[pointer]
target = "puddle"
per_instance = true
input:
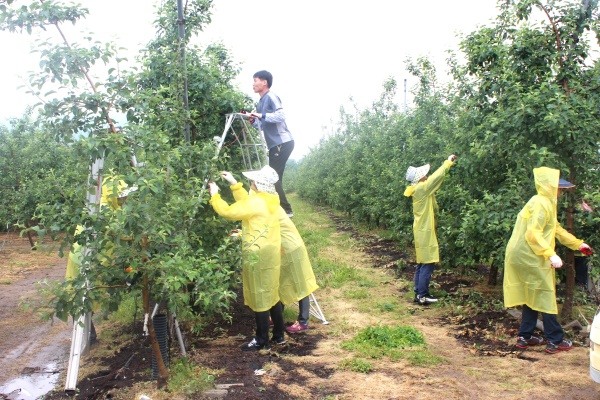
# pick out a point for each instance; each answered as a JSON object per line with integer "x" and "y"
{"x": 32, "y": 384}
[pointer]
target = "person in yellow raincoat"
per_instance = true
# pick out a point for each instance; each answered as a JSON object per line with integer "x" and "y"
{"x": 261, "y": 258}
{"x": 422, "y": 189}
{"x": 530, "y": 262}
{"x": 74, "y": 258}
{"x": 297, "y": 279}
{"x": 107, "y": 198}
{"x": 110, "y": 186}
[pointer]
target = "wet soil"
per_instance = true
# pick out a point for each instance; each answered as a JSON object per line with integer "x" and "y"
{"x": 30, "y": 348}
{"x": 218, "y": 348}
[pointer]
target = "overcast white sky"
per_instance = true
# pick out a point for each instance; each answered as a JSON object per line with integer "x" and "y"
{"x": 321, "y": 53}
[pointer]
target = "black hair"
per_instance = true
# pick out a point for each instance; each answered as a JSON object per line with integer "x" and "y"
{"x": 265, "y": 75}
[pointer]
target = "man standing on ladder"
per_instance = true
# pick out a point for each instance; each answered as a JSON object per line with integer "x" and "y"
{"x": 270, "y": 118}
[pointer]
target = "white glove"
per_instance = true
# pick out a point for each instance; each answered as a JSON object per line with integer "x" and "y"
{"x": 452, "y": 158}
{"x": 586, "y": 249}
{"x": 556, "y": 261}
{"x": 213, "y": 188}
{"x": 228, "y": 177}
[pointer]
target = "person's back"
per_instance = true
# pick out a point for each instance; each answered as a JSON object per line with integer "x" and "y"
{"x": 422, "y": 190}
{"x": 261, "y": 251}
{"x": 530, "y": 262}
{"x": 297, "y": 278}
{"x": 275, "y": 128}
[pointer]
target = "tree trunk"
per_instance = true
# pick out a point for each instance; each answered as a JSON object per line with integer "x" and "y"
{"x": 493, "y": 275}
{"x": 30, "y": 236}
{"x": 567, "y": 309}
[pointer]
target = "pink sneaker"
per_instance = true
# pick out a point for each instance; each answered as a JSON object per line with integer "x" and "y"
{"x": 297, "y": 327}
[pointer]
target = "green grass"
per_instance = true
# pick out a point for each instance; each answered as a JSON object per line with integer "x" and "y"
{"x": 290, "y": 312}
{"x": 188, "y": 379}
{"x": 423, "y": 358}
{"x": 389, "y": 337}
{"x": 127, "y": 308}
{"x": 393, "y": 342}
{"x": 357, "y": 294}
{"x": 366, "y": 283}
{"x": 334, "y": 274}
{"x": 356, "y": 365}
{"x": 386, "y": 306}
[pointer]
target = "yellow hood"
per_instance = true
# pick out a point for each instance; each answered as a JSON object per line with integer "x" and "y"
{"x": 546, "y": 182}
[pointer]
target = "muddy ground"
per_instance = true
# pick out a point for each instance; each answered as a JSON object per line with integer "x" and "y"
{"x": 481, "y": 361}
{"x": 29, "y": 347}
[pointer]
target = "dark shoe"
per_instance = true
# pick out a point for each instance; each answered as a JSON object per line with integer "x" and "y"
{"x": 565, "y": 345}
{"x": 425, "y": 300}
{"x": 297, "y": 327}
{"x": 279, "y": 340}
{"x": 523, "y": 343}
{"x": 416, "y": 299}
{"x": 253, "y": 346}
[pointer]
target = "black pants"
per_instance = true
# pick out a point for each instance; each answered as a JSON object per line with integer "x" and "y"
{"x": 278, "y": 156}
{"x": 304, "y": 310}
{"x": 262, "y": 323}
{"x": 552, "y": 329}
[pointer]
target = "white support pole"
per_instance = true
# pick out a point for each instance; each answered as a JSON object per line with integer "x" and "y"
{"x": 179, "y": 336}
{"x": 80, "y": 338}
{"x": 78, "y": 346}
{"x": 155, "y": 310}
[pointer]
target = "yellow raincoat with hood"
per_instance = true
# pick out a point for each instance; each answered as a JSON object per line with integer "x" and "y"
{"x": 110, "y": 198}
{"x": 297, "y": 279}
{"x": 529, "y": 277}
{"x": 105, "y": 256}
{"x": 261, "y": 259}
{"x": 74, "y": 258}
{"x": 424, "y": 208}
